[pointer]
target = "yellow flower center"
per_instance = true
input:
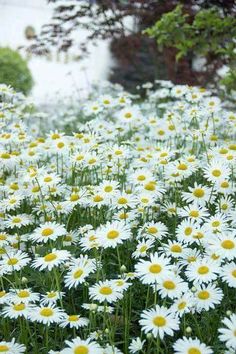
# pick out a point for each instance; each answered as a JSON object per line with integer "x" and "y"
{"x": 176, "y": 248}
{"x": 108, "y": 189}
{"x": 47, "y": 232}
{"x": 198, "y": 193}
{"x": 182, "y": 167}
{"x": 224, "y": 184}
{"x": 51, "y": 295}
{"x": 203, "y": 270}
{"x": 5, "y": 156}
{"x": 55, "y": 136}
{"x": 105, "y": 290}
{"x": 216, "y": 173}
{"x": 92, "y": 161}
{"x": 48, "y": 179}
{"x": 155, "y": 268}
{"x": 81, "y": 349}
{"x": 46, "y": 312}
{"x": 2, "y": 293}
{"x": 150, "y": 186}
{"x": 122, "y": 200}
{"x": 152, "y": 230}
{"x": 16, "y": 220}
{"x": 159, "y": 321}
{"x": 12, "y": 261}
{"x": 141, "y": 178}
{"x": 23, "y": 293}
{"x": 128, "y": 115}
{"x": 194, "y": 350}
{"x": 143, "y": 249}
{"x": 73, "y": 318}
{"x": 77, "y": 274}
{"x": 194, "y": 213}
{"x": 188, "y": 230}
{"x": 234, "y": 273}
{"x": 169, "y": 285}
{"x": 19, "y": 307}
{"x": 50, "y": 257}
{"x": 3, "y": 237}
{"x": 215, "y": 223}
{"x": 4, "y": 348}
{"x": 228, "y": 244}
{"x": 182, "y": 305}
{"x": 74, "y": 197}
{"x": 97, "y": 199}
{"x": 203, "y": 295}
{"x": 112, "y": 234}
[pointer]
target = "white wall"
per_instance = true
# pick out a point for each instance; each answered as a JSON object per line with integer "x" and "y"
{"x": 50, "y": 76}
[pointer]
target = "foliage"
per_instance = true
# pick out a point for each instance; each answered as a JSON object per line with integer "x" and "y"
{"x": 14, "y": 71}
{"x": 210, "y": 34}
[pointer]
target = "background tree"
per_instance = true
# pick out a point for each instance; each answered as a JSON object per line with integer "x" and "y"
{"x": 138, "y": 57}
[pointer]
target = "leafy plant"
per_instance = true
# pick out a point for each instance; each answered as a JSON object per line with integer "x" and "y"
{"x": 209, "y": 33}
{"x": 14, "y": 71}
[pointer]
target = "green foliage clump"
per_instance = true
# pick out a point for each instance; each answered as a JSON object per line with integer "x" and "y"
{"x": 14, "y": 71}
{"x": 210, "y": 33}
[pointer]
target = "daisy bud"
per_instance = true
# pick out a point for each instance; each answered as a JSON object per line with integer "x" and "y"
{"x": 188, "y": 330}
{"x": 24, "y": 280}
{"x": 94, "y": 307}
{"x": 106, "y": 330}
{"x": 149, "y": 336}
{"x": 193, "y": 289}
{"x": 123, "y": 269}
{"x": 228, "y": 313}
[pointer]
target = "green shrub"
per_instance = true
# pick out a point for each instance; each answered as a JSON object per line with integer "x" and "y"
{"x": 14, "y": 71}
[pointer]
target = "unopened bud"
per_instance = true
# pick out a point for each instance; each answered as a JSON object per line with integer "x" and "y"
{"x": 24, "y": 280}
{"x": 123, "y": 268}
{"x": 188, "y": 330}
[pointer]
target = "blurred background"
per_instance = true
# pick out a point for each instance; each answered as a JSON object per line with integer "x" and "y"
{"x": 66, "y": 45}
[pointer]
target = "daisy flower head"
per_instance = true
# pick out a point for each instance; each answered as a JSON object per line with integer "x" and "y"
{"x": 228, "y": 274}
{"x": 198, "y": 193}
{"x": 79, "y": 270}
{"x": 13, "y": 261}
{"x": 159, "y": 321}
{"x": 105, "y": 291}
{"x": 136, "y": 345}
{"x": 207, "y": 297}
{"x": 47, "y": 314}
{"x": 150, "y": 271}
{"x": 12, "y": 347}
{"x": 224, "y": 245}
{"x": 171, "y": 286}
{"x": 191, "y": 346}
{"x": 227, "y": 333}
{"x": 52, "y": 259}
{"x": 22, "y": 295}
{"x": 82, "y": 346}
{"x": 51, "y": 297}
{"x": 74, "y": 321}
{"x": 113, "y": 233}
{"x": 202, "y": 271}
{"x": 216, "y": 171}
{"x": 48, "y": 231}
{"x": 142, "y": 248}
{"x": 16, "y": 310}
{"x": 183, "y": 304}
{"x": 154, "y": 230}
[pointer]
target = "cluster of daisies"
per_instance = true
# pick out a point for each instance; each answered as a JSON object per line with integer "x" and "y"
{"x": 120, "y": 236}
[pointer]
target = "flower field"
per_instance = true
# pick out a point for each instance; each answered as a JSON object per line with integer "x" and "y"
{"x": 118, "y": 235}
